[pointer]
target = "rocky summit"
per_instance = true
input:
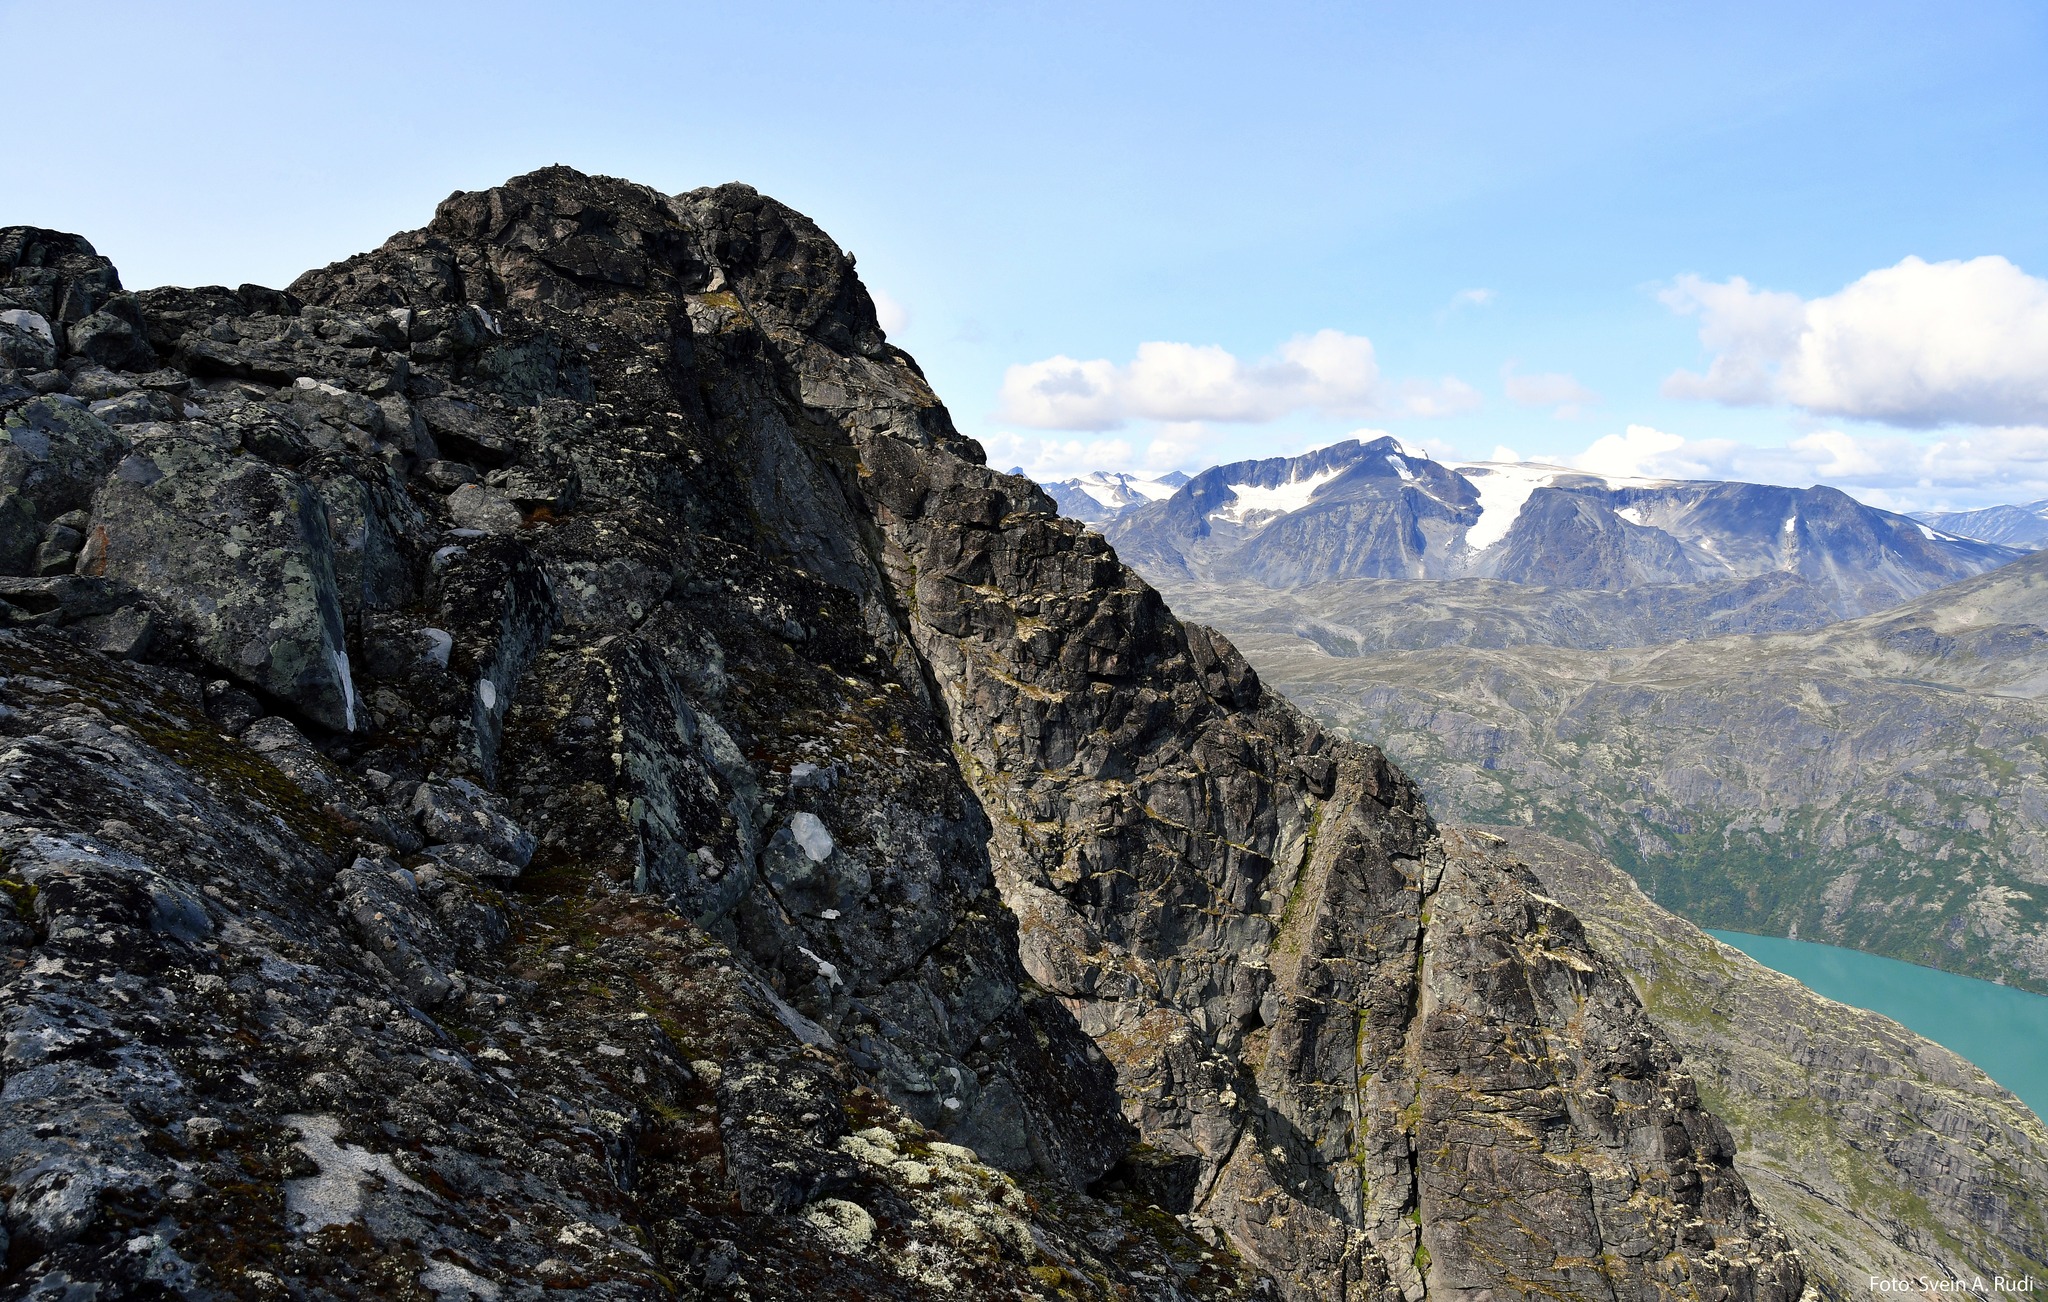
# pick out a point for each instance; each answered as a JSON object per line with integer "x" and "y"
{"x": 539, "y": 763}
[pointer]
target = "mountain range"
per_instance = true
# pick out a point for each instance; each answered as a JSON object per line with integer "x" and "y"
{"x": 1782, "y": 710}
{"x": 1878, "y": 782}
{"x": 1377, "y": 511}
{"x": 2012, "y": 526}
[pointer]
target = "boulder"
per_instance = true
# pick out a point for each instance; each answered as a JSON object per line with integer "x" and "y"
{"x": 238, "y": 551}
{"x": 26, "y": 340}
{"x": 54, "y": 454}
{"x": 459, "y": 812}
{"x": 113, "y": 336}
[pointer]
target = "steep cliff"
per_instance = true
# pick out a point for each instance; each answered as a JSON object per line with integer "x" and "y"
{"x": 539, "y": 759}
{"x": 1881, "y": 1154}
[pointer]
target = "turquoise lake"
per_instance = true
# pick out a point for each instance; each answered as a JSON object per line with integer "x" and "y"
{"x": 2002, "y": 1030}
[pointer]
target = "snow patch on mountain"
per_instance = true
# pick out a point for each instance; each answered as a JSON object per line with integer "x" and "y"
{"x": 1102, "y": 495}
{"x": 1503, "y": 490}
{"x": 1250, "y": 499}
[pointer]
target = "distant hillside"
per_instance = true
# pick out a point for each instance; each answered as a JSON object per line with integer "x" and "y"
{"x": 2014, "y": 526}
{"x": 1882, "y": 782}
{"x": 1377, "y": 511}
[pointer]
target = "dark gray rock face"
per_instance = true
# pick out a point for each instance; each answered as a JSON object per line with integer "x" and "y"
{"x": 620, "y": 799}
{"x": 1375, "y": 511}
{"x": 1241, "y": 912}
{"x": 237, "y": 550}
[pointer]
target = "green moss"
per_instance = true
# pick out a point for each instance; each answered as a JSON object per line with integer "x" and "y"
{"x": 22, "y": 893}
{"x": 238, "y": 773}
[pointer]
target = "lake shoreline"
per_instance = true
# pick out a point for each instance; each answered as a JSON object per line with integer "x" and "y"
{"x": 2002, "y": 1029}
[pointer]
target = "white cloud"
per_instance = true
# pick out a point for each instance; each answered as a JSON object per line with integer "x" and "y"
{"x": 1639, "y": 452}
{"x": 1052, "y": 458}
{"x": 1471, "y": 298}
{"x": 1562, "y": 393}
{"x": 1920, "y": 345}
{"x": 1429, "y": 399}
{"x": 1328, "y": 372}
{"x": 1898, "y": 471}
{"x": 1182, "y": 446}
{"x": 1186, "y": 445}
{"x": 893, "y": 316}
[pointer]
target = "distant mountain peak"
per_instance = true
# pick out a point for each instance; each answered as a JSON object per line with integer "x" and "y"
{"x": 1100, "y": 496}
{"x": 2012, "y": 526}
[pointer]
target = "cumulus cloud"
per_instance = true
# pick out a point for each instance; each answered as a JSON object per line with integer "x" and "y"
{"x": 1179, "y": 446}
{"x": 1562, "y": 393}
{"x": 1919, "y": 345}
{"x": 1429, "y": 399}
{"x": 1979, "y": 467}
{"x": 1056, "y": 458}
{"x": 1639, "y": 451}
{"x": 1328, "y": 372}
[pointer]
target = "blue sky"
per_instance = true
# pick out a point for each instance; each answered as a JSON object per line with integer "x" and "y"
{"x": 1246, "y": 229}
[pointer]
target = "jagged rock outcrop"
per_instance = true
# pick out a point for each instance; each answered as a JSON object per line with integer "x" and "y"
{"x": 687, "y": 825}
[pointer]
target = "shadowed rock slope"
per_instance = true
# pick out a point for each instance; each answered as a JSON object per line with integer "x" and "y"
{"x": 1880, "y": 1153}
{"x": 538, "y": 761}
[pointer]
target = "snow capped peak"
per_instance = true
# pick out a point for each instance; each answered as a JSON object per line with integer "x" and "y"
{"x": 1120, "y": 488}
{"x": 1102, "y": 495}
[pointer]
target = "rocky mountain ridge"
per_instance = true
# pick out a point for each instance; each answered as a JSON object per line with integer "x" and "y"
{"x": 2010, "y": 526}
{"x": 1882, "y": 1155}
{"x": 538, "y": 759}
